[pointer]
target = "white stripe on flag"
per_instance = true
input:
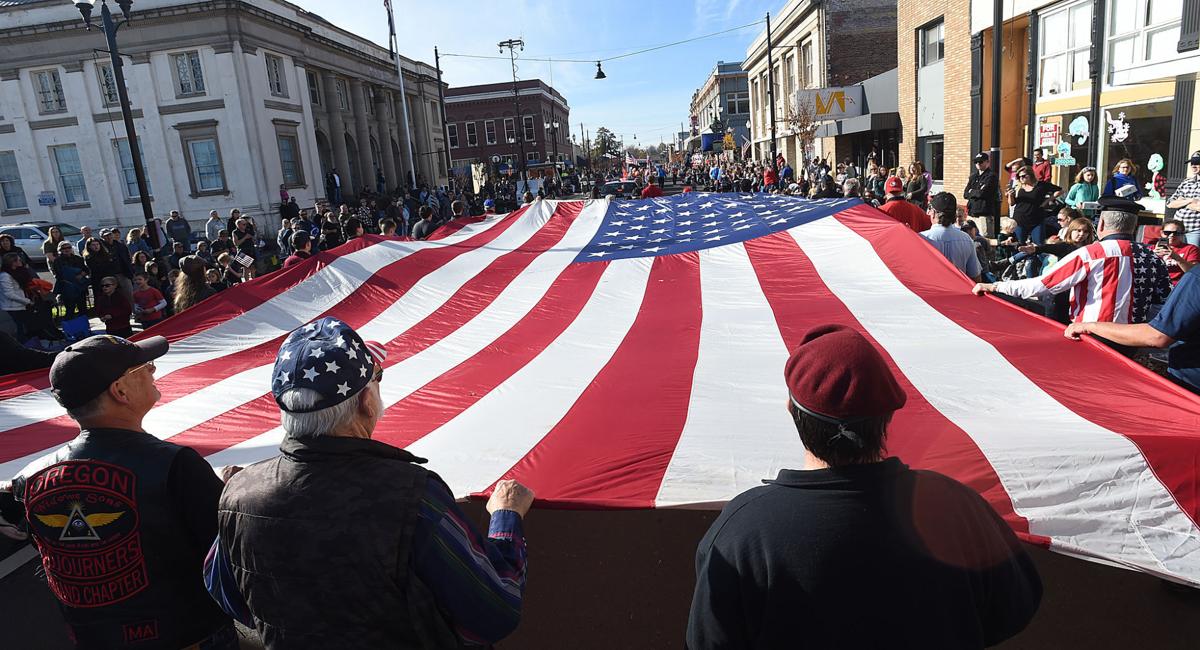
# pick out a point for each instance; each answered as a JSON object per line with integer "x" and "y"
{"x": 409, "y": 374}
{"x": 1086, "y": 488}
{"x": 738, "y": 431}
{"x": 275, "y": 317}
{"x": 474, "y": 449}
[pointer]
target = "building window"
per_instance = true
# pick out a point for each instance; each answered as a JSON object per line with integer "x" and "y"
{"x": 933, "y": 43}
{"x": 472, "y": 136}
{"x": 531, "y": 156}
{"x": 489, "y": 131}
{"x": 276, "y": 76}
{"x": 452, "y": 132}
{"x": 435, "y": 113}
{"x": 48, "y": 86}
{"x": 809, "y": 75}
{"x": 343, "y": 96}
{"x": 510, "y": 129}
{"x": 527, "y": 127}
{"x": 202, "y": 155}
{"x": 189, "y": 76}
{"x": 206, "y": 164}
{"x": 70, "y": 174}
{"x": 1064, "y": 56}
{"x": 930, "y": 151}
{"x": 12, "y": 194}
{"x": 128, "y": 174}
{"x": 108, "y": 84}
{"x": 738, "y": 103}
{"x": 289, "y": 160}
{"x": 314, "y": 87}
{"x": 1142, "y": 32}
{"x": 790, "y": 66}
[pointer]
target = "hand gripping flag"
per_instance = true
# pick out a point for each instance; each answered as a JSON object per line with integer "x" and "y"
{"x": 629, "y": 354}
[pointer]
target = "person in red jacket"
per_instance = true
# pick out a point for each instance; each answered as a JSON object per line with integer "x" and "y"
{"x": 113, "y": 309}
{"x": 651, "y": 190}
{"x": 900, "y": 209}
{"x": 769, "y": 179}
{"x": 302, "y": 245}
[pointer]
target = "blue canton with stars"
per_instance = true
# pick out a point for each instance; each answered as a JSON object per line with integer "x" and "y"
{"x": 695, "y": 221}
{"x": 327, "y": 356}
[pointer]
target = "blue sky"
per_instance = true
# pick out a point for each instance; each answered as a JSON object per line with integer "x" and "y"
{"x": 645, "y": 95}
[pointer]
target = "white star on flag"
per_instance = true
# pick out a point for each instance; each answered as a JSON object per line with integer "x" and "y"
{"x": 317, "y": 353}
{"x": 311, "y": 374}
{"x": 332, "y": 366}
{"x": 343, "y": 388}
{"x": 362, "y": 371}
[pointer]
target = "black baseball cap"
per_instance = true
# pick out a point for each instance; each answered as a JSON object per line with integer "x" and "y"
{"x": 85, "y": 369}
{"x": 944, "y": 203}
{"x": 982, "y": 156}
{"x": 1195, "y": 159}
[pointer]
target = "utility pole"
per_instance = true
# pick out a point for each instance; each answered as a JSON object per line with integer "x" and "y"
{"x": 994, "y": 151}
{"x": 771, "y": 93}
{"x": 437, "y": 64}
{"x": 511, "y": 44}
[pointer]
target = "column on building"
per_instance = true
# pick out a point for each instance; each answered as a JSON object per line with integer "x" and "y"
{"x": 362, "y": 134}
{"x": 337, "y": 131}
{"x": 383, "y": 126}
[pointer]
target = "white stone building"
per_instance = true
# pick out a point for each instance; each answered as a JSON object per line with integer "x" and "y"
{"x": 232, "y": 99}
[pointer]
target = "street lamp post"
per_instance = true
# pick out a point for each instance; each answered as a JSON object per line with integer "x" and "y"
{"x": 512, "y": 58}
{"x": 110, "y": 28}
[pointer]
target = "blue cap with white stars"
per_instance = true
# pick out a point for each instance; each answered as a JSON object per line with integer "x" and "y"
{"x": 329, "y": 357}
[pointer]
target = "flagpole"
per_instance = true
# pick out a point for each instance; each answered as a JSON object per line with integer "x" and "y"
{"x": 392, "y": 47}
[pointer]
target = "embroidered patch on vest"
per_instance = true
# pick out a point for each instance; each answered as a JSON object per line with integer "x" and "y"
{"x": 84, "y": 517}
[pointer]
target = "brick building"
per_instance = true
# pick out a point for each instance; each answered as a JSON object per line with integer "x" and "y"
{"x": 722, "y": 102}
{"x": 1087, "y": 89}
{"x": 817, "y": 44}
{"x": 481, "y": 123}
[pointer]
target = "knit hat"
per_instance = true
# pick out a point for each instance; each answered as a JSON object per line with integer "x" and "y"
{"x": 836, "y": 375}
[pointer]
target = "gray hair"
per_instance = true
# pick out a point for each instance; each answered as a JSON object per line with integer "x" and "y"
{"x": 1115, "y": 221}
{"x": 314, "y": 423}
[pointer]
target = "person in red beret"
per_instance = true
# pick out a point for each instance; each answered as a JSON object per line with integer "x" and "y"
{"x": 856, "y": 550}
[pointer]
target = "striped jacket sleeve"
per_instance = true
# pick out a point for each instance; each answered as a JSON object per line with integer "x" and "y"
{"x": 478, "y": 581}
{"x": 1068, "y": 272}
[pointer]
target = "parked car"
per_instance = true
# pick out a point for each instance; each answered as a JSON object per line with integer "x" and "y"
{"x": 30, "y": 236}
{"x": 622, "y": 190}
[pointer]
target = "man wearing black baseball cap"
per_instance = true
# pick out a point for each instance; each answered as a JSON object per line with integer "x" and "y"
{"x": 983, "y": 193}
{"x": 122, "y": 519}
{"x": 854, "y": 535}
{"x": 1186, "y": 200}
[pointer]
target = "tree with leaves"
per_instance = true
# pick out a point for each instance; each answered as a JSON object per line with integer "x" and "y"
{"x": 605, "y": 144}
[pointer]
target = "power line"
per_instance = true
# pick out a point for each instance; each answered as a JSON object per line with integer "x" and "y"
{"x": 610, "y": 58}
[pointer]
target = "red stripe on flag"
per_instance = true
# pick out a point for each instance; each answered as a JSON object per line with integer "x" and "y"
{"x": 261, "y": 414}
{"x": 366, "y": 302}
{"x": 456, "y": 390}
{"x": 1131, "y": 400}
{"x": 622, "y": 431}
{"x": 919, "y": 434}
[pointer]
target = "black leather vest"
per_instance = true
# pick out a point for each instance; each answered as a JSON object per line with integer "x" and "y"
{"x": 114, "y": 550}
{"x": 319, "y": 540}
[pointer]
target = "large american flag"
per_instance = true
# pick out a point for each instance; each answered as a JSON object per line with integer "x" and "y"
{"x": 629, "y": 354}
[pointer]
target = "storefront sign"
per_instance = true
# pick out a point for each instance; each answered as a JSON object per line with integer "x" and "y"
{"x": 1047, "y": 135}
{"x": 1079, "y": 129}
{"x": 47, "y": 197}
{"x": 829, "y": 103}
{"x": 1118, "y": 128}
{"x": 1063, "y": 156}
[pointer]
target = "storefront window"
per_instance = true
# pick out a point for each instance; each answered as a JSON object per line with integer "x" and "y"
{"x": 1137, "y": 133}
{"x": 1142, "y": 32}
{"x": 1065, "y": 49}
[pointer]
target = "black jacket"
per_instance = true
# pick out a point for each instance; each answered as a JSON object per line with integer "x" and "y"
{"x": 319, "y": 539}
{"x": 983, "y": 194}
{"x": 123, "y": 521}
{"x": 864, "y": 556}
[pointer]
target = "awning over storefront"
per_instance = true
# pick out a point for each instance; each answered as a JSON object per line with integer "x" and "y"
{"x": 871, "y": 122}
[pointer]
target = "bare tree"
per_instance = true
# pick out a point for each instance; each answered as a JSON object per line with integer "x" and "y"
{"x": 798, "y": 121}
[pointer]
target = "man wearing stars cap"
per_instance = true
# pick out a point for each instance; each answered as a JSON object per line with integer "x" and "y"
{"x": 804, "y": 560}
{"x": 342, "y": 541}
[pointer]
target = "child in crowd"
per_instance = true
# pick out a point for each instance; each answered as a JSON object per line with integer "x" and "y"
{"x": 148, "y": 302}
